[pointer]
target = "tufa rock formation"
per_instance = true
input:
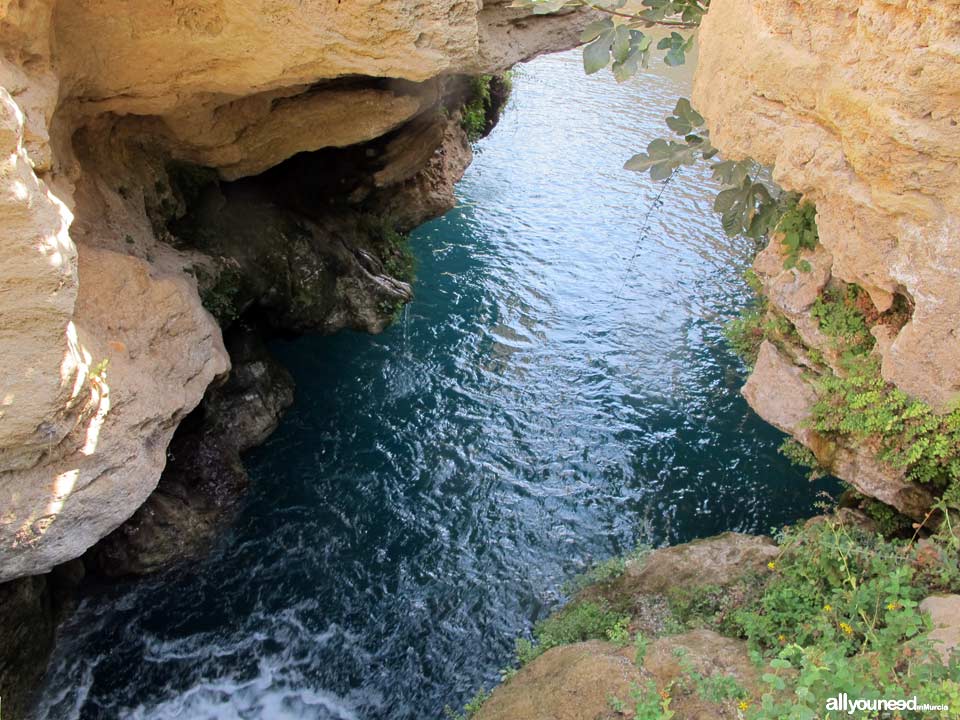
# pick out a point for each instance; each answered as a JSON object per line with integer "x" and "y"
{"x": 855, "y": 106}
{"x": 264, "y": 157}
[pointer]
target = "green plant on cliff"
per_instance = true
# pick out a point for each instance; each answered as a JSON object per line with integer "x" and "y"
{"x": 391, "y": 245}
{"x": 839, "y": 614}
{"x": 839, "y": 317}
{"x": 803, "y": 457}
{"x": 607, "y": 570}
{"x": 799, "y": 228}
{"x": 745, "y": 333}
{"x": 890, "y": 523}
{"x": 650, "y": 704}
{"x": 471, "y": 708}
{"x": 579, "y": 621}
{"x": 219, "y": 294}
{"x": 861, "y": 405}
{"x": 474, "y": 113}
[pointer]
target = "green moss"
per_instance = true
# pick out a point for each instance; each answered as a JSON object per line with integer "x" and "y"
{"x": 487, "y": 94}
{"x": 219, "y": 295}
{"x": 391, "y": 245}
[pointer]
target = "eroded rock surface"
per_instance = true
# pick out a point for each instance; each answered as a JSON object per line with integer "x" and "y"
{"x": 600, "y": 680}
{"x": 778, "y": 391}
{"x": 856, "y": 106}
{"x": 107, "y": 144}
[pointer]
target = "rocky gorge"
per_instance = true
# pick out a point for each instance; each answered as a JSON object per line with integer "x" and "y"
{"x": 187, "y": 179}
{"x": 132, "y": 286}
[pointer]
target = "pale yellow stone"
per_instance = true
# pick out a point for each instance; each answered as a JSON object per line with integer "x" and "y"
{"x": 857, "y": 105}
{"x": 104, "y": 341}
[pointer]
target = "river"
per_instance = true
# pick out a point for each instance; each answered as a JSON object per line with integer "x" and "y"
{"x": 558, "y": 391}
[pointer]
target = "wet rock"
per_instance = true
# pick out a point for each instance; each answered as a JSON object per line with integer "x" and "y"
{"x": 204, "y": 480}
{"x": 27, "y": 625}
{"x": 30, "y": 609}
{"x": 245, "y": 410}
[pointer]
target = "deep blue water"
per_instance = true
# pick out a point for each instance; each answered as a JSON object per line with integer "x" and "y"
{"x": 558, "y": 391}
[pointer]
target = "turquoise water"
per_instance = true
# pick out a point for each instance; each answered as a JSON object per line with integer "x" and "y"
{"x": 558, "y": 391}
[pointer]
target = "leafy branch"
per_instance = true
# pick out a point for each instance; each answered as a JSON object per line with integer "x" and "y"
{"x": 748, "y": 204}
{"x": 618, "y": 36}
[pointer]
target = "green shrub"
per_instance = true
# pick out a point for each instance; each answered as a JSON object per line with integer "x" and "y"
{"x": 575, "y": 623}
{"x": 716, "y": 688}
{"x": 471, "y": 708}
{"x": 838, "y": 316}
{"x": 862, "y": 405}
{"x": 799, "y": 227}
{"x": 649, "y": 704}
{"x": 839, "y": 614}
{"x": 889, "y": 521}
{"x": 802, "y": 456}
{"x": 606, "y": 571}
{"x": 473, "y": 115}
{"x": 745, "y": 334}
{"x": 910, "y": 435}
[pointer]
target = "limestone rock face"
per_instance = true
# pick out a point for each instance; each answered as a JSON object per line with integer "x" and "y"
{"x": 856, "y": 106}
{"x": 105, "y": 341}
{"x": 779, "y": 393}
{"x": 589, "y": 680}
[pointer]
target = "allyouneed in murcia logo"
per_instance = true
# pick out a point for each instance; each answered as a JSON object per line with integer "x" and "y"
{"x": 845, "y": 704}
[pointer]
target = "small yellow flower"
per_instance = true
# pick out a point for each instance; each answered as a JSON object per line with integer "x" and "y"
{"x": 772, "y": 565}
{"x": 847, "y": 630}
{"x": 827, "y": 608}
{"x": 744, "y": 704}
{"x": 782, "y": 638}
{"x": 892, "y": 606}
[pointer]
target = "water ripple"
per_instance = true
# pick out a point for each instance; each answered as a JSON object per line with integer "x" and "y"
{"x": 558, "y": 391}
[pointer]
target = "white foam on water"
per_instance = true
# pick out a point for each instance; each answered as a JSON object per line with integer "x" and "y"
{"x": 259, "y": 699}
